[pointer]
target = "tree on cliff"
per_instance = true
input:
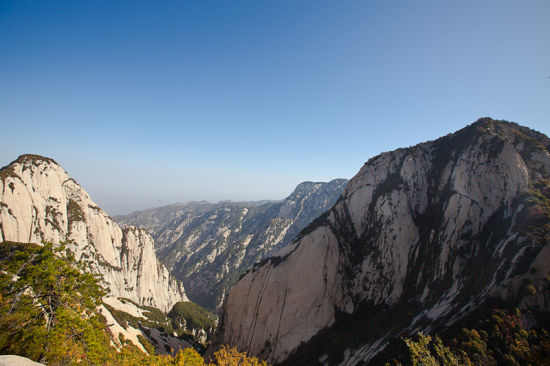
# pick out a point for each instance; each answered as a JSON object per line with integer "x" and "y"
{"x": 48, "y": 306}
{"x": 49, "y": 313}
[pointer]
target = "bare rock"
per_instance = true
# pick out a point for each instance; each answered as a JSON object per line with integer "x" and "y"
{"x": 40, "y": 202}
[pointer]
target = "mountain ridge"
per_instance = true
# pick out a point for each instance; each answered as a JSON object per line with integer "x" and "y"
{"x": 154, "y": 218}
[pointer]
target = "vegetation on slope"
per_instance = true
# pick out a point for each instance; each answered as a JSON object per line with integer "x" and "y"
{"x": 48, "y": 307}
{"x": 154, "y": 318}
{"x": 49, "y": 313}
{"x": 188, "y": 320}
{"x": 492, "y": 336}
{"x": 425, "y": 351}
{"x": 192, "y": 317}
{"x": 225, "y": 356}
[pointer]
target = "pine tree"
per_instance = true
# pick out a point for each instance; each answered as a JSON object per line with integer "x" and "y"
{"x": 48, "y": 307}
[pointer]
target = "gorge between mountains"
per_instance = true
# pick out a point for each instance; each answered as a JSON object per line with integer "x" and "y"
{"x": 434, "y": 238}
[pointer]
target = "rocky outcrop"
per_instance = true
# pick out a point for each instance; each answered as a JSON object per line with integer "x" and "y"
{"x": 419, "y": 238}
{"x": 40, "y": 202}
{"x": 131, "y": 322}
{"x": 208, "y": 246}
{"x": 12, "y": 360}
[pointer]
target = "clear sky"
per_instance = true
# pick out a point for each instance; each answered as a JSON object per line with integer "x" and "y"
{"x": 147, "y": 103}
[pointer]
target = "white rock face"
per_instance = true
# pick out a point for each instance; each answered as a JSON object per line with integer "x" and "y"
{"x": 40, "y": 202}
{"x": 11, "y": 360}
{"x": 284, "y": 310}
{"x": 434, "y": 228}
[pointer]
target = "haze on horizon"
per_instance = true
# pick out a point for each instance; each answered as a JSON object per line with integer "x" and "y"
{"x": 148, "y": 104}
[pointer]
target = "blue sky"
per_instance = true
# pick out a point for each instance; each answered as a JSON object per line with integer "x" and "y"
{"x": 150, "y": 103}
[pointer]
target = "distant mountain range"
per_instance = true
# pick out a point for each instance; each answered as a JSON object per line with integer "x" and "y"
{"x": 155, "y": 219}
{"x": 208, "y": 246}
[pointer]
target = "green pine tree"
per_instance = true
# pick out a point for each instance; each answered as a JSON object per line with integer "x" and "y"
{"x": 48, "y": 307}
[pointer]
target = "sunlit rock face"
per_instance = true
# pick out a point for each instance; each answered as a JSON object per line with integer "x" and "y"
{"x": 13, "y": 360}
{"x": 419, "y": 238}
{"x": 208, "y": 246}
{"x": 40, "y": 202}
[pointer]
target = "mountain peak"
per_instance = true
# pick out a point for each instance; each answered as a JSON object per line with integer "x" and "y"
{"x": 505, "y": 129}
{"x": 30, "y": 162}
{"x": 308, "y": 186}
{"x": 430, "y": 232}
{"x": 34, "y": 158}
{"x": 39, "y": 203}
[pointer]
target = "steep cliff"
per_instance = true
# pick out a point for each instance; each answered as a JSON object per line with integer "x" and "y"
{"x": 208, "y": 246}
{"x": 40, "y": 202}
{"x": 419, "y": 238}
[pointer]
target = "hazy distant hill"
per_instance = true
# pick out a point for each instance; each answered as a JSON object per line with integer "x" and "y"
{"x": 155, "y": 219}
